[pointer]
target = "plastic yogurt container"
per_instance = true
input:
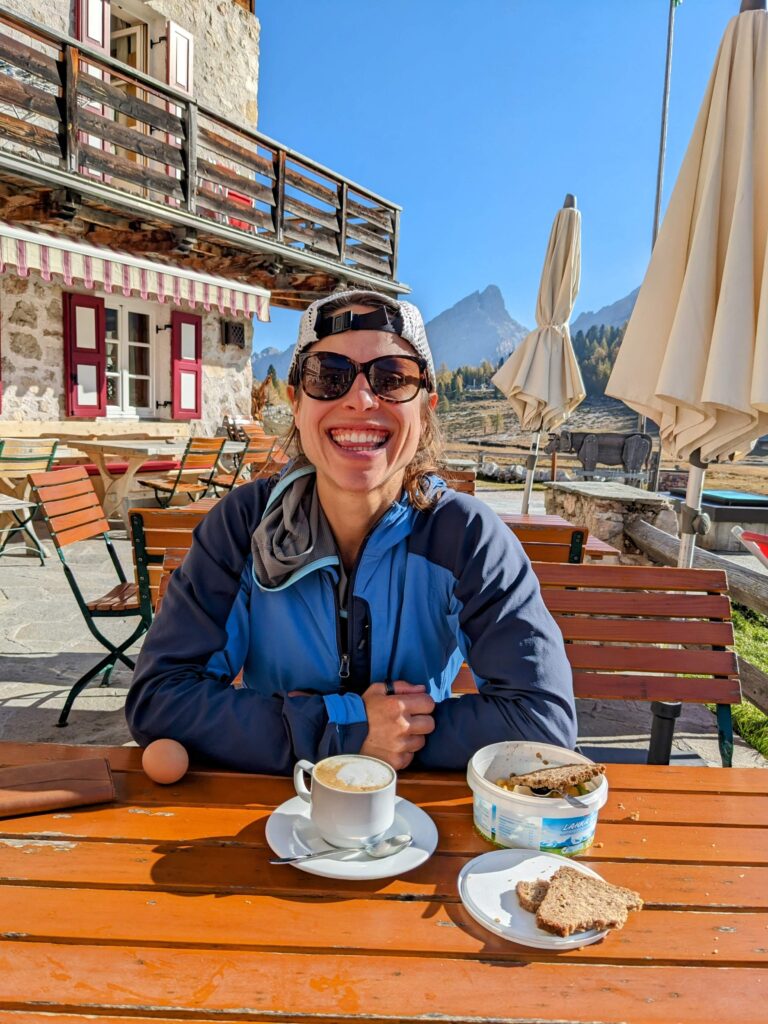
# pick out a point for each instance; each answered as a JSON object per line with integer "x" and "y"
{"x": 549, "y": 824}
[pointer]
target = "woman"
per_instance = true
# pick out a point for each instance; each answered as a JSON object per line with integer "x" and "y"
{"x": 350, "y": 590}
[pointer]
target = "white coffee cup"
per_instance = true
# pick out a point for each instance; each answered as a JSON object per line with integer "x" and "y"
{"x": 352, "y": 797}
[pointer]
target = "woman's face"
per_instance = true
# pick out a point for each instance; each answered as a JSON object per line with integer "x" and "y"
{"x": 359, "y": 443}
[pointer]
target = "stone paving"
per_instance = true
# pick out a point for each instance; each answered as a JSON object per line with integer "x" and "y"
{"x": 45, "y": 646}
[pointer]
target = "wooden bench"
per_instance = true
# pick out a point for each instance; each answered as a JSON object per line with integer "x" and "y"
{"x": 549, "y": 542}
{"x": 645, "y": 633}
{"x": 533, "y": 529}
{"x": 463, "y": 480}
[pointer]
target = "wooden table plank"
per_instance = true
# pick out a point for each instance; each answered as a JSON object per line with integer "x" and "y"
{"x": 297, "y": 988}
{"x": 253, "y": 921}
{"x": 200, "y": 868}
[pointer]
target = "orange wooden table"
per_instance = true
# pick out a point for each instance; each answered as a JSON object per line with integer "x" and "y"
{"x": 163, "y": 907}
{"x": 594, "y": 549}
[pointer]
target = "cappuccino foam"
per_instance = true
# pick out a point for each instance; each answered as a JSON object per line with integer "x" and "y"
{"x": 353, "y": 774}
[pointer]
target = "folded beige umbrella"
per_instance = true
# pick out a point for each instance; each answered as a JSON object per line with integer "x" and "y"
{"x": 694, "y": 358}
{"x": 541, "y": 379}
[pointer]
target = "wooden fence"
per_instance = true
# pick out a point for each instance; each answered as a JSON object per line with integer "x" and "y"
{"x": 71, "y": 107}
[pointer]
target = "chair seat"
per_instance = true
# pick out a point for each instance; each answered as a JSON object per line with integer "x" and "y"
{"x": 123, "y": 597}
{"x": 170, "y": 485}
{"x": 224, "y": 480}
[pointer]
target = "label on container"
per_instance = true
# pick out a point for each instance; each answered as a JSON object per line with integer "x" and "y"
{"x": 565, "y": 836}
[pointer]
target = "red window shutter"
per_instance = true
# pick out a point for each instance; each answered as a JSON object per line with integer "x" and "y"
{"x": 186, "y": 366}
{"x": 92, "y": 28}
{"x": 181, "y": 51}
{"x": 85, "y": 356}
{"x": 92, "y": 23}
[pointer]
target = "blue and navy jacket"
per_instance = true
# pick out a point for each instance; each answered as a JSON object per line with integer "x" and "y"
{"x": 429, "y": 589}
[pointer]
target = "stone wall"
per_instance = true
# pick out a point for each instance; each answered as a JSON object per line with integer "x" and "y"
{"x": 226, "y": 60}
{"x": 32, "y": 354}
{"x": 226, "y": 71}
{"x": 603, "y": 508}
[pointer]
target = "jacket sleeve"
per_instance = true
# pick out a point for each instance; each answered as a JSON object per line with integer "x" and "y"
{"x": 182, "y": 687}
{"x": 511, "y": 642}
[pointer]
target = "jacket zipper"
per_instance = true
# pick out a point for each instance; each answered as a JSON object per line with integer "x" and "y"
{"x": 344, "y": 672}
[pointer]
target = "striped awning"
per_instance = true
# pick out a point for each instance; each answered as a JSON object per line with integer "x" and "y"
{"x": 78, "y": 263}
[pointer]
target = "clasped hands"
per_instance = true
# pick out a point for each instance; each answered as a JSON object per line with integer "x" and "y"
{"x": 398, "y": 723}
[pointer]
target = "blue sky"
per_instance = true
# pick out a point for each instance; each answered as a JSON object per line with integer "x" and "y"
{"x": 478, "y": 116}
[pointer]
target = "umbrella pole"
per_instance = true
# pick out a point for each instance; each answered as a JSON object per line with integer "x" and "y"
{"x": 530, "y": 467}
{"x": 692, "y": 521}
{"x": 642, "y": 424}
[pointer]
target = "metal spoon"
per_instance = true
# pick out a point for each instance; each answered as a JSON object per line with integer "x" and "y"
{"x": 572, "y": 800}
{"x": 376, "y": 850}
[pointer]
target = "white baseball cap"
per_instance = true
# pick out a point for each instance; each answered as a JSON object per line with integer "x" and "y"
{"x": 396, "y": 317}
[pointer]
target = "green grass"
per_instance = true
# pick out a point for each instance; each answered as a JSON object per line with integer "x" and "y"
{"x": 751, "y": 644}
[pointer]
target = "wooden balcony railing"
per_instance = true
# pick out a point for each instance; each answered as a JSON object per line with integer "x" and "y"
{"x": 69, "y": 108}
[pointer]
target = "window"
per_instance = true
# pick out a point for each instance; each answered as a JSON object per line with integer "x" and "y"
{"x": 129, "y": 359}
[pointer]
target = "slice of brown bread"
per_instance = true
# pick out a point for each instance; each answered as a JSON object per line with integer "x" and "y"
{"x": 575, "y": 902}
{"x": 530, "y": 894}
{"x": 559, "y": 776}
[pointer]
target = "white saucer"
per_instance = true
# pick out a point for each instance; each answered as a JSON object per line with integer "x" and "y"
{"x": 291, "y": 833}
{"x": 487, "y": 890}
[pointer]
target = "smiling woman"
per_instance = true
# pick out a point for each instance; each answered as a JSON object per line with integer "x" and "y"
{"x": 350, "y": 589}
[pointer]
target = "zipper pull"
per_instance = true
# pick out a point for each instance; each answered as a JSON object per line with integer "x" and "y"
{"x": 344, "y": 667}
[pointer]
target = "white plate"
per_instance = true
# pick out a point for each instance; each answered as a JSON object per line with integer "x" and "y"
{"x": 487, "y": 890}
{"x": 291, "y": 833}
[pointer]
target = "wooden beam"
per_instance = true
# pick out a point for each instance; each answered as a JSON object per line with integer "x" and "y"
{"x": 31, "y": 135}
{"x": 754, "y": 684}
{"x": 129, "y": 138}
{"x": 233, "y": 211}
{"x": 234, "y": 151}
{"x": 311, "y": 214}
{"x": 24, "y": 95}
{"x": 312, "y": 188}
{"x": 745, "y": 586}
{"x": 222, "y": 175}
{"x": 103, "y": 92}
{"x": 126, "y": 170}
{"x": 380, "y": 217}
{"x": 28, "y": 59}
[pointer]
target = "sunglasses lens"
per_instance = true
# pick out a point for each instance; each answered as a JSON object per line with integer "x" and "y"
{"x": 327, "y": 376}
{"x": 395, "y": 378}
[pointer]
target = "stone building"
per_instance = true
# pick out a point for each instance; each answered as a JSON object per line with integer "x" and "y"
{"x": 145, "y": 224}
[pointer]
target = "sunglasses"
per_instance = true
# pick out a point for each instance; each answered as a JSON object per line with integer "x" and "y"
{"x": 326, "y": 376}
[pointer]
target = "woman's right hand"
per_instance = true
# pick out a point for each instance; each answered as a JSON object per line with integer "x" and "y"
{"x": 398, "y": 723}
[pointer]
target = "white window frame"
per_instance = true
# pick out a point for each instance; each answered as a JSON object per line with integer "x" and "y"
{"x": 125, "y": 306}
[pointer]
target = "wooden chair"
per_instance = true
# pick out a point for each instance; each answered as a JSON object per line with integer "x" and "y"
{"x": 153, "y": 532}
{"x": 556, "y": 542}
{"x": 172, "y": 559}
{"x": 462, "y": 480}
{"x": 72, "y": 513}
{"x": 193, "y": 478}
{"x": 250, "y": 462}
{"x": 645, "y": 633}
{"x": 19, "y": 458}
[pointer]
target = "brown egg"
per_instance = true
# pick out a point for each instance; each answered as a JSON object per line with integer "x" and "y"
{"x": 165, "y": 761}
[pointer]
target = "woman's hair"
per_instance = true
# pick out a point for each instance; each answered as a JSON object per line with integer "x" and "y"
{"x": 428, "y": 456}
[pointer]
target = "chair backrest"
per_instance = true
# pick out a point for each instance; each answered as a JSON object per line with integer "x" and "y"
{"x": 171, "y": 560}
{"x": 642, "y": 632}
{"x": 550, "y": 542}
{"x": 254, "y": 457}
{"x": 460, "y": 479}
{"x": 153, "y": 532}
{"x": 252, "y": 430}
{"x": 202, "y": 453}
{"x": 21, "y": 456}
{"x": 70, "y": 505}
